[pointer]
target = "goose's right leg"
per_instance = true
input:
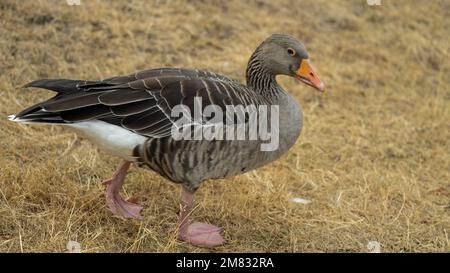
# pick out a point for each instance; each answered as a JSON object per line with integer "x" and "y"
{"x": 196, "y": 233}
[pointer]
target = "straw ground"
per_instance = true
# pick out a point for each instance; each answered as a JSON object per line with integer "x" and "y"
{"x": 373, "y": 156}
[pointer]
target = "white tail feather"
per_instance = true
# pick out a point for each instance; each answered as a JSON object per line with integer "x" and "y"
{"x": 25, "y": 121}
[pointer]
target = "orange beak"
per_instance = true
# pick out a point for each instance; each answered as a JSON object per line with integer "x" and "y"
{"x": 307, "y": 75}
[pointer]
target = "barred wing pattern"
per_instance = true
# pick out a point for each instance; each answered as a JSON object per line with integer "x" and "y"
{"x": 141, "y": 102}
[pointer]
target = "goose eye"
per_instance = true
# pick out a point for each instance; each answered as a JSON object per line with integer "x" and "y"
{"x": 291, "y": 52}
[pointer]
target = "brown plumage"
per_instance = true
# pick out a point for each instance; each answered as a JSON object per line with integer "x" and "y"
{"x": 131, "y": 117}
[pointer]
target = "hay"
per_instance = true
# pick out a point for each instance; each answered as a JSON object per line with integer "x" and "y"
{"x": 373, "y": 157}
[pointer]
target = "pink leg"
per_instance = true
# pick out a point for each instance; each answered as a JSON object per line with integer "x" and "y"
{"x": 196, "y": 233}
{"x": 116, "y": 204}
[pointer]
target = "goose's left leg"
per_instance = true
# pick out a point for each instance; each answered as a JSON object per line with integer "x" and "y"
{"x": 196, "y": 233}
{"x": 116, "y": 204}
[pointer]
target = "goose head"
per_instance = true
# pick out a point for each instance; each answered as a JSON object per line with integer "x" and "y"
{"x": 284, "y": 55}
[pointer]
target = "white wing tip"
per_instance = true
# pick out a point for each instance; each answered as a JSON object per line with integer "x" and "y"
{"x": 14, "y": 118}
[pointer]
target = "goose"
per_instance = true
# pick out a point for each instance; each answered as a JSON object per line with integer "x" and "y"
{"x": 131, "y": 117}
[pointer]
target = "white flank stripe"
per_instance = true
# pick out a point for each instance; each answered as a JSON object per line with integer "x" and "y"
{"x": 111, "y": 138}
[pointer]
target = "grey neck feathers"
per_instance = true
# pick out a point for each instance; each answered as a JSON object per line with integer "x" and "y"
{"x": 259, "y": 78}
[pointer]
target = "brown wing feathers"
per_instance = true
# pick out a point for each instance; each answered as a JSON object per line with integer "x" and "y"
{"x": 85, "y": 113}
{"x": 65, "y": 103}
{"x": 132, "y": 108}
{"x": 141, "y": 102}
{"x": 64, "y": 86}
{"x": 120, "y": 97}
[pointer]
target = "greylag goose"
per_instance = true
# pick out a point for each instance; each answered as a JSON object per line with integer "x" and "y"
{"x": 132, "y": 117}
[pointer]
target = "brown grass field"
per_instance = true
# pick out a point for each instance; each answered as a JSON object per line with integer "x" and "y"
{"x": 373, "y": 156}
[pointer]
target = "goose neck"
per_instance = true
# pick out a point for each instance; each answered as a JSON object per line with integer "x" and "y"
{"x": 260, "y": 78}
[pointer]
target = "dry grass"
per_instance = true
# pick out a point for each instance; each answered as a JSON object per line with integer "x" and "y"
{"x": 373, "y": 156}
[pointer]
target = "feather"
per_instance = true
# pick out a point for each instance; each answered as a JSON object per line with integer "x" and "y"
{"x": 144, "y": 119}
{"x": 133, "y": 108}
{"x": 59, "y": 85}
{"x": 119, "y": 97}
{"x": 71, "y": 102}
{"x": 86, "y": 113}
